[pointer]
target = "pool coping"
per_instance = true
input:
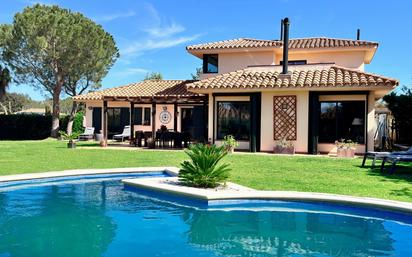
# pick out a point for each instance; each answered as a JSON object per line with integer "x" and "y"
{"x": 241, "y": 192}
{"x": 173, "y": 171}
{"x": 238, "y": 192}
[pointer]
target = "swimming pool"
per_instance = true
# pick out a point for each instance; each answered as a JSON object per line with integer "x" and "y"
{"x": 98, "y": 216}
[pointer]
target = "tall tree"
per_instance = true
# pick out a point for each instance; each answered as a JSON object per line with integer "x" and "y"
{"x": 14, "y": 102}
{"x": 97, "y": 53}
{"x": 153, "y": 76}
{"x": 196, "y": 75}
{"x": 4, "y": 81}
{"x": 46, "y": 47}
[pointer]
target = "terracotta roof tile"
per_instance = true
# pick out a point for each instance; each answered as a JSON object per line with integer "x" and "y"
{"x": 309, "y": 77}
{"x": 148, "y": 88}
{"x": 298, "y": 43}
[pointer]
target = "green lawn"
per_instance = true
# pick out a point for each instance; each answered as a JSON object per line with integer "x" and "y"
{"x": 260, "y": 171}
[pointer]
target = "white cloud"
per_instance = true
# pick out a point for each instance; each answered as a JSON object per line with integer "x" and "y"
{"x": 165, "y": 31}
{"x": 114, "y": 16}
{"x": 161, "y": 33}
{"x": 130, "y": 72}
{"x": 139, "y": 47}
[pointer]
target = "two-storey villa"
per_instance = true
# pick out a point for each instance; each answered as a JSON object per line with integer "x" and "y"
{"x": 320, "y": 94}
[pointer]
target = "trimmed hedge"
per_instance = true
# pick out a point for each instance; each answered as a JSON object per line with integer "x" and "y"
{"x": 25, "y": 126}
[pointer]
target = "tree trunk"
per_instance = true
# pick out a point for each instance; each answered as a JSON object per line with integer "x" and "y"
{"x": 71, "y": 118}
{"x": 56, "y": 109}
{"x": 4, "y": 108}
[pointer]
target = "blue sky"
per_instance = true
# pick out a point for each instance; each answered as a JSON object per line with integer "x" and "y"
{"x": 152, "y": 35}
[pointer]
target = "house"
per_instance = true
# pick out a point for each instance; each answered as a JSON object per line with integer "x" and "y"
{"x": 311, "y": 91}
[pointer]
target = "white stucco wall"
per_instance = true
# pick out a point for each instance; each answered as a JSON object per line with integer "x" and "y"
{"x": 232, "y": 61}
{"x": 267, "y": 131}
{"x": 348, "y": 59}
{"x": 229, "y": 62}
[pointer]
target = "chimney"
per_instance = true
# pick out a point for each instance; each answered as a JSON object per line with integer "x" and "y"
{"x": 285, "y": 23}
{"x": 358, "y": 35}
{"x": 281, "y": 29}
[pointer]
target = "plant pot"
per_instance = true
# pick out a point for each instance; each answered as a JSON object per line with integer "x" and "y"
{"x": 346, "y": 152}
{"x": 341, "y": 152}
{"x": 350, "y": 152}
{"x": 71, "y": 144}
{"x": 284, "y": 150}
{"x": 230, "y": 149}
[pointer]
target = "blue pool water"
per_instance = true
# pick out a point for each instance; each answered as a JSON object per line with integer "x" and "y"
{"x": 98, "y": 216}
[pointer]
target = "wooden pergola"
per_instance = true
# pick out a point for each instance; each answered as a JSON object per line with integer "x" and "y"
{"x": 153, "y": 92}
{"x": 153, "y": 100}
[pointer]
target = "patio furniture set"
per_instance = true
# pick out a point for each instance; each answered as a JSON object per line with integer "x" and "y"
{"x": 163, "y": 138}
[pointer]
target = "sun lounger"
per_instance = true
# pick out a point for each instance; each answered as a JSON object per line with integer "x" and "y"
{"x": 381, "y": 155}
{"x": 394, "y": 159}
{"x": 125, "y": 134}
{"x": 87, "y": 134}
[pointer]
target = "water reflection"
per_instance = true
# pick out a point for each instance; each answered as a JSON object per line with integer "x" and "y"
{"x": 247, "y": 233}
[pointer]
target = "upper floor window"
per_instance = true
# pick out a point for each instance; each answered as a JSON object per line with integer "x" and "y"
{"x": 210, "y": 63}
{"x": 295, "y": 62}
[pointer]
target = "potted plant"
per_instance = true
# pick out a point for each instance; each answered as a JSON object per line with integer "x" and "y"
{"x": 230, "y": 143}
{"x": 71, "y": 138}
{"x": 345, "y": 148}
{"x": 284, "y": 146}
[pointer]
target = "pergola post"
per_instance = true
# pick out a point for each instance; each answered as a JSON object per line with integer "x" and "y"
{"x": 154, "y": 119}
{"x": 132, "y": 121}
{"x": 175, "y": 117}
{"x": 104, "y": 127}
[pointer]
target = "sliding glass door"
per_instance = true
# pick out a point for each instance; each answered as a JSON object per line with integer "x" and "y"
{"x": 342, "y": 120}
{"x": 233, "y": 118}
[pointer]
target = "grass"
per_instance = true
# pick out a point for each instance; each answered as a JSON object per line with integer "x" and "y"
{"x": 260, "y": 171}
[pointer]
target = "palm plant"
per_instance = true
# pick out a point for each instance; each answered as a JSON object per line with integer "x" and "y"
{"x": 71, "y": 137}
{"x": 203, "y": 169}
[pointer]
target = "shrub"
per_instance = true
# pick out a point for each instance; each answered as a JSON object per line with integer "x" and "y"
{"x": 25, "y": 126}
{"x": 77, "y": 123}
{"x": 203, "y": 169}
